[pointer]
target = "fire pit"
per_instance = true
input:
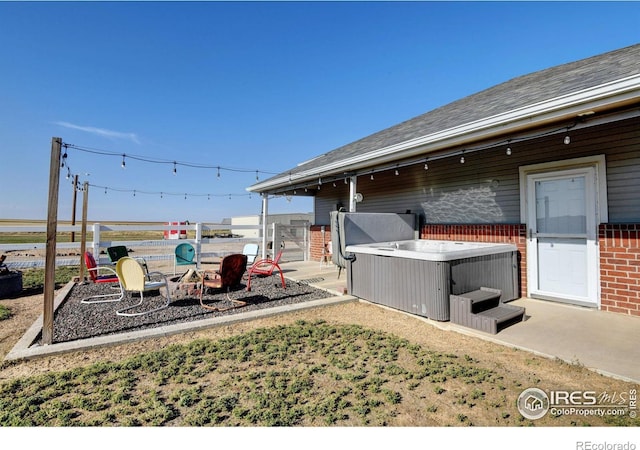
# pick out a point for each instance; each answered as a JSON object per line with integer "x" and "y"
{"x": 10, "y": 280}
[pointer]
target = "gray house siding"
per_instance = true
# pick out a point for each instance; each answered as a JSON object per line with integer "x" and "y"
{"x": 485, "y": 189}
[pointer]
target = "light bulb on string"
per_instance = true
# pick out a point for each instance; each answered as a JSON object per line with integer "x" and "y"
{"x": 462, "y": 159}
{"x": 123, "y": 165}
{"x": 567, "y": 140}
{"x": 508, "y": 151}
{"x": 175, "y": 170}
{"x": 397, "y": 173}
{"x": 371, "y": 178}
{"x": 257, "y": 176}
{"x": 218, "y": 171}
{"x": 64, "y": 157}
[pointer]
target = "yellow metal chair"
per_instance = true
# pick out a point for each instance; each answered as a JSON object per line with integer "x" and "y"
{"x": 133, "y": 278}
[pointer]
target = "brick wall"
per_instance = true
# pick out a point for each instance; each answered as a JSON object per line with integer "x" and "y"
{"x": 619, "y": 256}
{"x": 620, "y": 268}
{"x": 316, "y": 240}
{"x": 504, "y": 234}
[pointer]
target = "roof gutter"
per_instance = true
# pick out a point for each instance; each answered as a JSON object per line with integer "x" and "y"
{"x": 566, "y": 107}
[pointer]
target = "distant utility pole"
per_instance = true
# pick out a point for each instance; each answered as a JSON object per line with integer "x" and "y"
{"x": 83, "y": 239}
{"x": 73, "y": 206}
{"x": 52, "y": 228}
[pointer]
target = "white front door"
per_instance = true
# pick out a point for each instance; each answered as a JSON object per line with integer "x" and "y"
{"x": 562, "y": 252}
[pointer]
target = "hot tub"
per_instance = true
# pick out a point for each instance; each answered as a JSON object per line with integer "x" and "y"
{"x": 417, "y": 276}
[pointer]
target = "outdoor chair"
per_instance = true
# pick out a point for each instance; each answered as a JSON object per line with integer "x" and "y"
{"x": 116, "y": 252}
{"x": 111, "y": 277}
{"x": 133, "y": 278}
{"x": 251, "y": 250}
{"x": 120, "y": 251}
{"x": 232, "y": 268}
{"x": 265, "y": 267}
{"x": 184, "y": 254}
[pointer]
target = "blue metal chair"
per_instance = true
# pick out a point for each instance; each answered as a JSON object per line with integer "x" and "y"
{"x": 185, "y": 253}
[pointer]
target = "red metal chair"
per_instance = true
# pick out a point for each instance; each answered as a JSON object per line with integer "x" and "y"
{"x": 95, "y": 276}
{"x": 265, "y": 267}
{"x": 232, "y": 268}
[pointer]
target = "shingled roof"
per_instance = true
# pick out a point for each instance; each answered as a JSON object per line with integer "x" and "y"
{"x": 512, "y": 95}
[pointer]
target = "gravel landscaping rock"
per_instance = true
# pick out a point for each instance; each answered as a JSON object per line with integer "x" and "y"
{"x": 75, "y": 320}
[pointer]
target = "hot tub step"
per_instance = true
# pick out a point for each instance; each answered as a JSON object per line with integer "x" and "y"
{"x": 483, "y": 310}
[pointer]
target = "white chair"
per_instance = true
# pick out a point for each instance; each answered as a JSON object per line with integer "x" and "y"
{"x": 251, "y": 251}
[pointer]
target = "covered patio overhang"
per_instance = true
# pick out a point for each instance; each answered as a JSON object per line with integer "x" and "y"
{"x": 597, "y": 105}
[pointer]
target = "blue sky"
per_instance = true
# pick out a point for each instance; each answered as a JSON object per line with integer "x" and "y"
{"x": 247, "y": 86}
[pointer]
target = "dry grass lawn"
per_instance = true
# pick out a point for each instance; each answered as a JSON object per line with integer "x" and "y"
{"x": 486, "y": 396}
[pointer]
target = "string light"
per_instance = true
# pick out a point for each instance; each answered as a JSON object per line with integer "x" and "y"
{"x": 218, "y": 171}
{"x": 174, "y": 168}
{"x": 64, "y": 157}
{"x": 508, "y": 151}
{"x": 462, "y": 158}
{"x": 162, "y": 161}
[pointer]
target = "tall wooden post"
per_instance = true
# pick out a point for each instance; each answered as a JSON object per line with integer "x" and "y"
{"x": 73, "y": 206}
{"x": 52, "y": 228}
{"x": 83, "y": 238}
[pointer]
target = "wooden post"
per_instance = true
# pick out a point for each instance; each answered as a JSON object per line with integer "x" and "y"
{"x": 83, "y": 238}
{"x": 52, "y": 228}
{"x": 73, "y": 206}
